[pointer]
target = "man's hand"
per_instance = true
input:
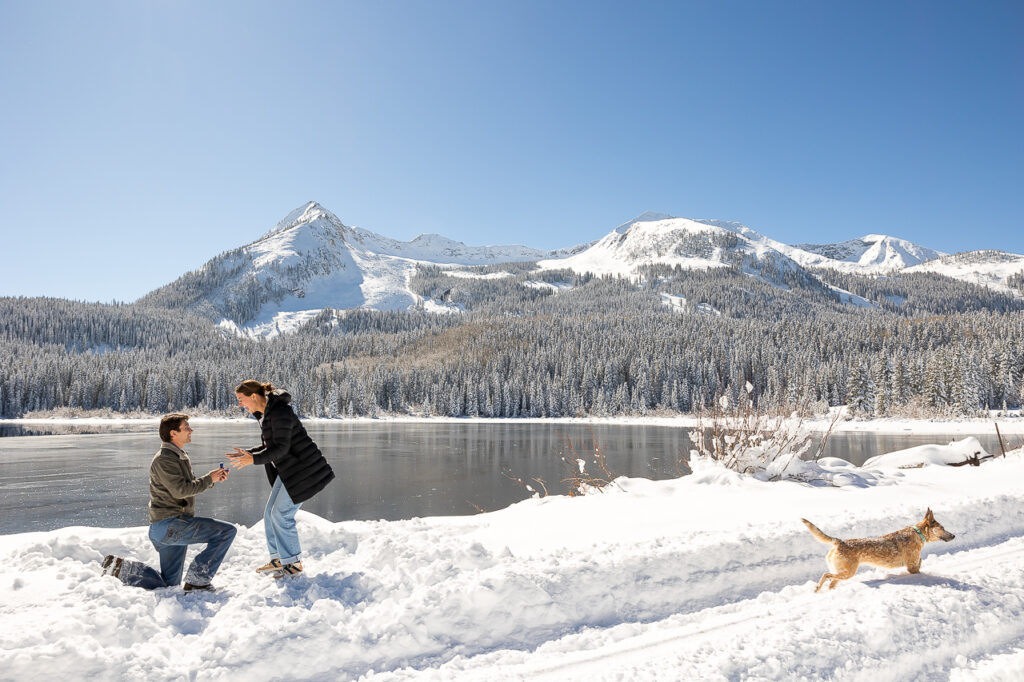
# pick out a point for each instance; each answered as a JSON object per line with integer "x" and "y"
{"x": 219, "y": 475}
{"x": 239, "y": 458}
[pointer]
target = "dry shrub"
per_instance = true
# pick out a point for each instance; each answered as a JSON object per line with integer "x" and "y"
{"x": 585, "y": 473}
{"x": 540, "y": 491}
{"x": 748, "y": 439}
{"x": 581, "y": 480}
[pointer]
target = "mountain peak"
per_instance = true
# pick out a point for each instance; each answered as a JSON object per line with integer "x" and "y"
{"x": 307, "y": 213}
{"x": 433, "y": 239}
{"x": 884, "y": 239}
{"x": 645, "y": 217}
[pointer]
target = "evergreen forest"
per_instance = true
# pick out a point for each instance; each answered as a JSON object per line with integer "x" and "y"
{"x": 542, "y": 344}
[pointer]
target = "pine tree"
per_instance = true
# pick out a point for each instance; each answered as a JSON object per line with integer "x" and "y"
{"x": 880, "y": 380}
{"x": 860, "y": 393}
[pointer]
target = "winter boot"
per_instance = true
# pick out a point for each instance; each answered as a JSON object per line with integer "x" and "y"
{"x": 189, "y": 587}
{"x": 289, "y": 570}
{"x": 112, "y": 565}
{"x": 272, "y": 565}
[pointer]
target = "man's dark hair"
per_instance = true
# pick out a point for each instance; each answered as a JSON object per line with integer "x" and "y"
{"x": 171, "y": 422}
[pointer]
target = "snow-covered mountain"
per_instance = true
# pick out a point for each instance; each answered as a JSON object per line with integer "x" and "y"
{"x": 657, "y": 239}
{"x": 311, "y": 260}
{"x": 653, "y": 238}
{"x": 314, "y": 221}
{"x": 873, "y": 253}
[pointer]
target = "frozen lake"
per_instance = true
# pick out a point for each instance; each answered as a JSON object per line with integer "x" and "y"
{"x": 385, "y": 470}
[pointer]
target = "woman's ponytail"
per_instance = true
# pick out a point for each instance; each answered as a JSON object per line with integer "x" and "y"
{"x": 252, "y": 387}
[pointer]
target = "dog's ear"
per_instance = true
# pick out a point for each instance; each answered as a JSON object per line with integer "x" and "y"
{"x": 928, "y": 516}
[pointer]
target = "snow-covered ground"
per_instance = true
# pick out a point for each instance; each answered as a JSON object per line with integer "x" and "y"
{"x": 991, "y": 269}
{"x": 706, "y": 577}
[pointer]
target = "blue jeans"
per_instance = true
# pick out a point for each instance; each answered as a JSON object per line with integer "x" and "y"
{"x": 171, "y": 538}
{"x": 279, "y": 523}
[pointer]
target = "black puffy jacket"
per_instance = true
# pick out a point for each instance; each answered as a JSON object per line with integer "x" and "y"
{"x": 289, "y": 452}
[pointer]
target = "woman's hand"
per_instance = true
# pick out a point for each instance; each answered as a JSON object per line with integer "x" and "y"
{"x": 239, "y": 458}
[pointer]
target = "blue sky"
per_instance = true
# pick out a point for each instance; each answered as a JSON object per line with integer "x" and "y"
{"x": 142, "y": 137}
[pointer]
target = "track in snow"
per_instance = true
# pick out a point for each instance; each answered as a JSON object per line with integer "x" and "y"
{"x": 964, "y": 609}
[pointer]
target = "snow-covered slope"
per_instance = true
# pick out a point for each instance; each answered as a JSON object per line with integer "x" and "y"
{"x": 706, "y": 577}
{"x": 872, "y": 253}
{"x": 987, "y": 268}
{"x": 313, "y": 219}
{"x": 700, "y": 244}
{"x": 654, "y": 238}
{"x": 311, "y": 261}
{"x": 670, "y": 241}
{"x": 433, "y": 248}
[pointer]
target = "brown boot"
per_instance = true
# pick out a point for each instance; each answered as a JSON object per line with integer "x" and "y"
{"x": 273, "y": 565}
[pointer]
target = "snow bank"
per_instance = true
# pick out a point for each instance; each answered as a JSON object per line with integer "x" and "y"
{"x": 956, "y": 452}
{"x": 710, "y": 576}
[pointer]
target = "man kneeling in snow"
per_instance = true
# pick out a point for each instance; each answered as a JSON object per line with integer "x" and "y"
{"x": 173, "y": 524}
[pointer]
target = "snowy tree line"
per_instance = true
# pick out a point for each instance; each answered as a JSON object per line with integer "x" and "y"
{"x": 1016, "y": 281}
{"x": 606, "y": 346}
{"x": 922, "y": 293}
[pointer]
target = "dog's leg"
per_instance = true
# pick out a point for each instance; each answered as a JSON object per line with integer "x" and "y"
{"x": 843, "y": 569}
{"x": 844, "y": 572}
{"x": 834, "y": 577}
{"x": 843, "y": 563}
{"x": 914, "y": 565}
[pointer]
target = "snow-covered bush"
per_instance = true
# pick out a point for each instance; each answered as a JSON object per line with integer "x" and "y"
{"x": 749, "y": 440}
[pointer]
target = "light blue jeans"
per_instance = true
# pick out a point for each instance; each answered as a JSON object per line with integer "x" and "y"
{"x": 171, "y": 538}
{"x": 279, "y": 523}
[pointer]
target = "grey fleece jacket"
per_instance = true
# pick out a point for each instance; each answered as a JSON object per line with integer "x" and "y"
{"x": 172, "y": 485}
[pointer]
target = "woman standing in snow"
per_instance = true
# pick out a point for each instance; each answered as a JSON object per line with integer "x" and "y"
{"x": 295, "y": 467}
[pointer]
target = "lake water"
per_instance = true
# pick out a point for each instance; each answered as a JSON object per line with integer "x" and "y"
{"x": 385, "y": 470}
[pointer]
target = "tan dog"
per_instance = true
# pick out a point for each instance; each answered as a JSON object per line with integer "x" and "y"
{"x": 902, "y": 548}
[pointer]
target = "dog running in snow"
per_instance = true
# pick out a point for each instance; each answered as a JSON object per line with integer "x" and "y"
{"x": 902, "y": 548}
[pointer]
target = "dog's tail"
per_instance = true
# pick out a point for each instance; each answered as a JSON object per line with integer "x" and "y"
{"x": 816, "y": 532}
